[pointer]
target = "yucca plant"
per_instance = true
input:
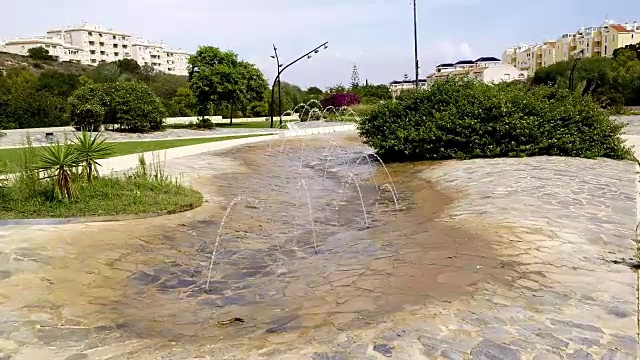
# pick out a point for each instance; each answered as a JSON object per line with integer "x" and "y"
{"x": 59, "y": 160}
{"x": 90, "y": 148}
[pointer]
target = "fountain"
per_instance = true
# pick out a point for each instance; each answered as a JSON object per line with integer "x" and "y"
{"x": 364, "y": 209}
{"x": 303, "y": 184}
{"x": 219, "y": 236}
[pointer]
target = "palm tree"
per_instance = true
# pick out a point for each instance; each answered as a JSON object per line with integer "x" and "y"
{"x": 91, "y": 148}
{"x": 60, "y": 159}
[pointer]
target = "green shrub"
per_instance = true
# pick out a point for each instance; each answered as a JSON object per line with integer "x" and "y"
{"x": 87, "y": 117}
{"x": 132, "y": 106}
{"x": 463, "y": 119}
{"x": 205, "y": 123}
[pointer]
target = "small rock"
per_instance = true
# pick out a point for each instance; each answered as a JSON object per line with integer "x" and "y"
{"x": 384, "y": 349}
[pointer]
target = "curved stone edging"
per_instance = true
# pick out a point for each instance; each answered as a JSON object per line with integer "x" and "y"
{"x": 94, "y": 219}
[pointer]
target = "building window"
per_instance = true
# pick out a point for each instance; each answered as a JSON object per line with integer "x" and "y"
{"x": 101, "y": 44}
{"x": 92, "y": 43}
{"x": 102, "y": 53}
{"x": 100, "y": 35}
{"x": 124, "y": 46}
{"x": 93, "y": 61}
{"x": 115, "y": 46}
{"x": 114, "y": 37}
{"x": 90, "y": 33}
{"x": 92, "y": 52}
{"x": 116, "y": 54}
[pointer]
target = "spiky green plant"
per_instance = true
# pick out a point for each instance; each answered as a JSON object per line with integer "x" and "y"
{"x": 59, "y": 160}
{"x": 90, "y": 148}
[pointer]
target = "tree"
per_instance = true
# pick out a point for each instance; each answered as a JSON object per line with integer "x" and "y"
{"x": 105, "y": 73}
{"x": 632, "y": 47}
{"x": 217, "y": 77}
{"x": 355, "y": 77}
{"x": 371, "y": 94}
{"x": 89, "y": 149}
{"x": 60, "y": 159}
{"x": 314, "y": 91}
{"x": 129, "y": 66}
{"x": 40, "y": 53}
{"x": 338, "y": 88}
{"x": 213, "y": 77}
{"x": 131, "y": 105}
{"x": 58, "y": 83}
{"x": 253, "y": 86}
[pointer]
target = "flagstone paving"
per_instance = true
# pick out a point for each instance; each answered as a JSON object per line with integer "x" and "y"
{"x": 542, "y": 272}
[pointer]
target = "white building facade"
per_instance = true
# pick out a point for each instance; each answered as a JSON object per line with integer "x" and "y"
{"x": 490, "y": 70}
{"x": 92, "y": 44}
{"x": 59, "y": 49}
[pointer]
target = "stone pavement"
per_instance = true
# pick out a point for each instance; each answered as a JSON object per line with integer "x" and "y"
{"x": 14, "y": 138}
{"x": 562, "y": 230}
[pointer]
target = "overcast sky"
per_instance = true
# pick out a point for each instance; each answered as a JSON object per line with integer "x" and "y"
{"x": 377, "y": 35}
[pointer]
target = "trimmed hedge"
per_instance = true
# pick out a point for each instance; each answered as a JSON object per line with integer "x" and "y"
{"x": 464, "y": 119}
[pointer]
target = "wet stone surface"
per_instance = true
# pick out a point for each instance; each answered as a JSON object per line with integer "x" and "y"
{"x": 521, "y": 264}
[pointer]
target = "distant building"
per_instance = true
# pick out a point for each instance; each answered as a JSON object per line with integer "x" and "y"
{"x": 486, "y": 69}
{"x": 591, "y": 41}
{"x": 57, "y": 48}
{"x": 91, "y": 45}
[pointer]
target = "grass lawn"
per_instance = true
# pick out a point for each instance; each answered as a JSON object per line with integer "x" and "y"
{"x": 12, "y": 156}
{"x": 104, "y": 196}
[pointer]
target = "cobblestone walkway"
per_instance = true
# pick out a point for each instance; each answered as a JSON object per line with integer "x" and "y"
{"x": 564, "y": 229}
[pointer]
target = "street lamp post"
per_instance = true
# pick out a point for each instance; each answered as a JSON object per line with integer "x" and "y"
{"x": 281, "y": 69}
{"x": 415, "y": 43}
{"x": 275, "y": 56}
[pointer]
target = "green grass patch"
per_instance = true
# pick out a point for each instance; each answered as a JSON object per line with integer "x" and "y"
{"x": 12, "y": 156}
{"x": 104, "y": 196}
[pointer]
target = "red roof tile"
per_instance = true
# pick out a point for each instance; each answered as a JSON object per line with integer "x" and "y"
{"x": 620, "y": 28}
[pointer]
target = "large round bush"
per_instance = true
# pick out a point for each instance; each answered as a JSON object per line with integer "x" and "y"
{"x": 132, "y": 106}
{"x": 463, "y": 119}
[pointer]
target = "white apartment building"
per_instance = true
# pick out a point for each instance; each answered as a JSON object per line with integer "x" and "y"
{"x": 490, "y": 70}
{"x": 92, "y": 44}
{"x": 593, "y": 41}
{"x": 103, "y": 45}
{"x": 57, "y": 48}
{"x": 160, "y": 57}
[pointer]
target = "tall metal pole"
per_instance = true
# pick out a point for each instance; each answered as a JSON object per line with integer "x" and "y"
{"x": 275, "y": 51}
{"x": 415, "y": 43}
{"x": 285, "y": 67}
